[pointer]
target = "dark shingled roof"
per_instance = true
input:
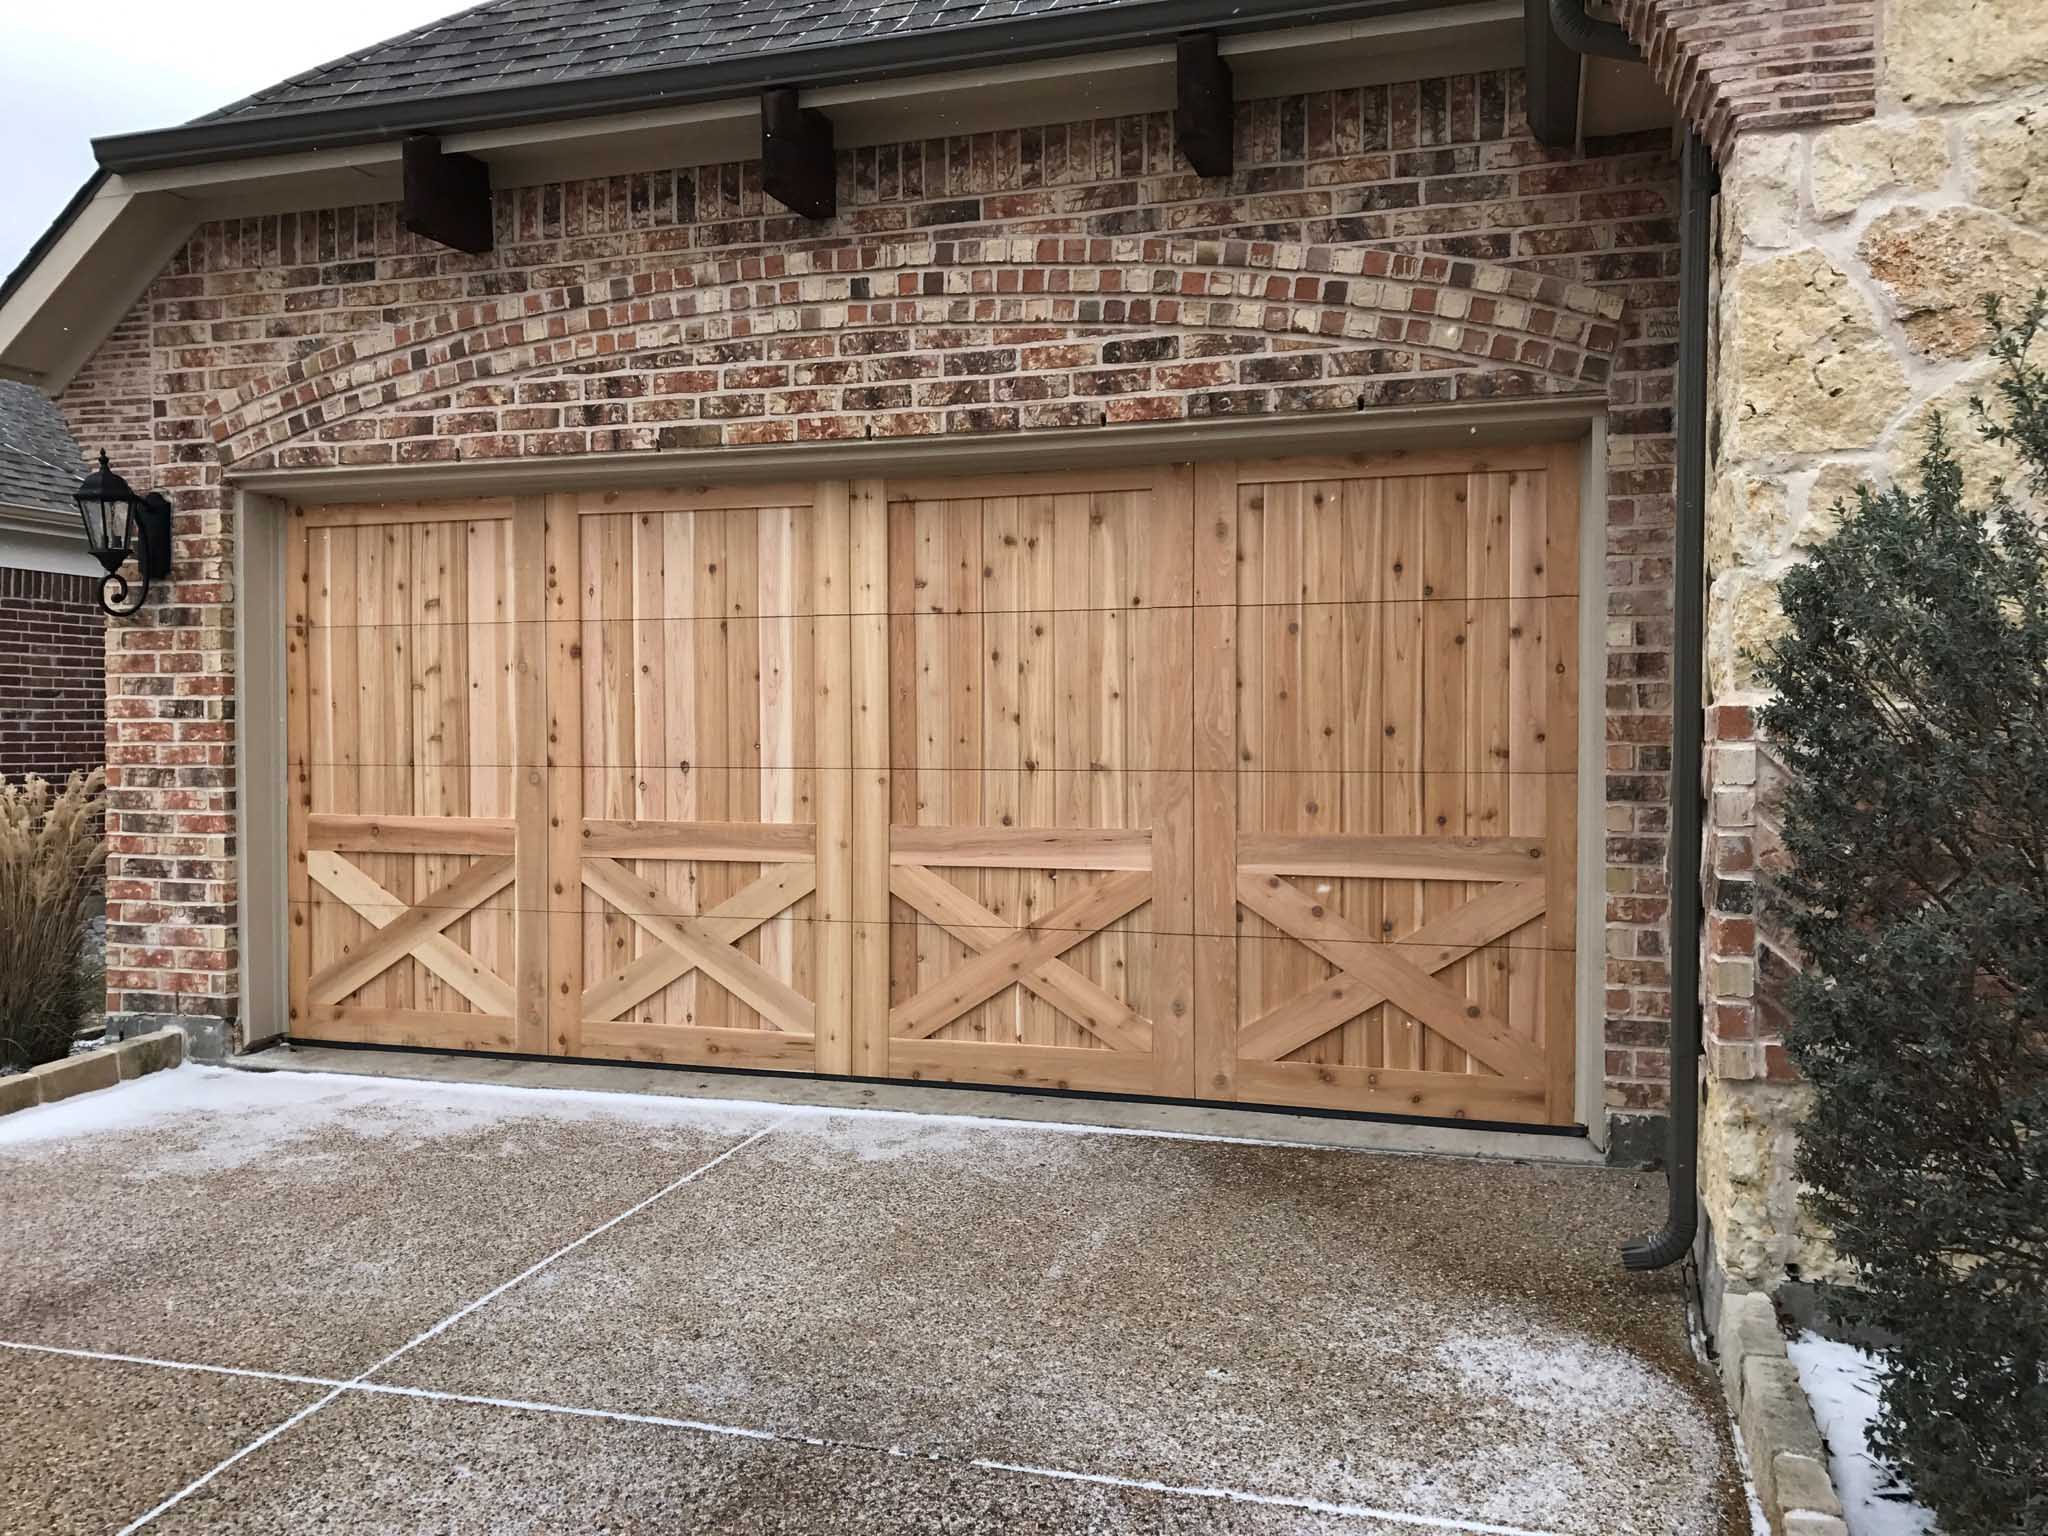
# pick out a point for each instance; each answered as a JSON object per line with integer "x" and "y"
{"x": 40, "y": 465}
{"x": 507, "y": 43}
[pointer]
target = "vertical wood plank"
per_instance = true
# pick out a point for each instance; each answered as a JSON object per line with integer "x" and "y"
{"x": 777, "y": 670}
{"x": 530, "y": 757}
{"x": 1401, "y": 731}
{"x": 709, "y": 639}
{"x": 1214, "y": 673}
{"x": 833, "y": 931}
{"x": 868, "y": 651}
{"x": 563, "y": 615}
{"x": 1561, "y": 1030}
{"x": 298, "y": 746}
{"x": 1038, "y": 728}
{"x": 1166, "y": 662}
{"x": 1444, "y": 660}
{"x": 1529, "y": 654}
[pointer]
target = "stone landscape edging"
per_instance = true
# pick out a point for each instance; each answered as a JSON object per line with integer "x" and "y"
{"x": 1787, "y": 1458}
{"x": 53, "y": 1081}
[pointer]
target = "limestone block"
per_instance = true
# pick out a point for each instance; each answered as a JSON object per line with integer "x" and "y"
{"x": 1832, "y": 492}
{"x": 1854, "y": 161}
{"x": 1805, "y": 1522}
{"x": 1801, "y": 1481}
{"x": 1938, "y": 267}
{"x": 1749, "y": 1327}
{"x": 1805, "y": 368}
{"x": 1937, "y": 52}
{"x": 1747, "y": 522}
{"x": 2007, "y": 152}
{"x": 1743, "y": 618}
{"x": 156, "y": 1051}
{"x": 76, "y": 1074}
{"x": 1745, "y": 1171}
{"x": 1984, "y": 464}
{"x": 1776, "y": 1421}
{"x": 22, "y": 1090}
{"x": 1760, "y": 191}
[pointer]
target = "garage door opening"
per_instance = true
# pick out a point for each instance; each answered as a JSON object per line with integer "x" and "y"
{"x": 1249, "y": 781}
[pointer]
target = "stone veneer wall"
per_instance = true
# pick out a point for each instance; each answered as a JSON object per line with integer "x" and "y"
{"x": 1384, "y": 245}
{"x": 1852, "y": 261}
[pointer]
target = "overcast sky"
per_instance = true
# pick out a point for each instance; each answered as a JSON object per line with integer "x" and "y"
{"x": 74, "y": 69}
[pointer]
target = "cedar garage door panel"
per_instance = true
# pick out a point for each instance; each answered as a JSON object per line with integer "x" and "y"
{"x": 1242, "y": 781}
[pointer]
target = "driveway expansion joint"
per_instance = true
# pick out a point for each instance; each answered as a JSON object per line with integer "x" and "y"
{"x": 361, "y": 1381}
{"x": 361, "y": 1385}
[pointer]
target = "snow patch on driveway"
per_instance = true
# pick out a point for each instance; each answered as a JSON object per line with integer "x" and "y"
{"x": 1518, "y": 1373}
{"x": 214, "y": 1119}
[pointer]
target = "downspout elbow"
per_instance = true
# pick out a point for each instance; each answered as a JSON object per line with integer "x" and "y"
{"x": 1582, "y": 34}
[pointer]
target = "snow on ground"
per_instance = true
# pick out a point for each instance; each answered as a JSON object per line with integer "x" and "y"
{"x": 275, "y": 1108}
{"x": 1842, "y": 1382}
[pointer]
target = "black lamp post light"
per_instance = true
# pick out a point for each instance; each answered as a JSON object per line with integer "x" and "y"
{"x": 119, "y": 523}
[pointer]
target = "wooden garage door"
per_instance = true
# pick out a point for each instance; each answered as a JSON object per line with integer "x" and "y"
{"x": 1387, "y": 782}
{"x": 1040, "y": 648}
{"x": 1238, "y": 781}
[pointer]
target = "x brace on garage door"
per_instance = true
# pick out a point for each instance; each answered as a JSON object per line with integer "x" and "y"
{"x": 1242, "y": 780}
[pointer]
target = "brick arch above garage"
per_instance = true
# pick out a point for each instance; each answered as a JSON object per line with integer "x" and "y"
{"x": 1134, "y": 325}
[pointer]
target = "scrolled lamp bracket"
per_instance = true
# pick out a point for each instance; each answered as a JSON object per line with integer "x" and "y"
{"x": 120, "y": 524}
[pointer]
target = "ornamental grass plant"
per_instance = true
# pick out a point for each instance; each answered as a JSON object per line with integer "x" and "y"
{"x": 52, "y": 852}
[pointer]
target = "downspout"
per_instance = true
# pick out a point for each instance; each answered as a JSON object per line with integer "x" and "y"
{"x": 1688, "y": 605}
{"x": 1582, "y": 34}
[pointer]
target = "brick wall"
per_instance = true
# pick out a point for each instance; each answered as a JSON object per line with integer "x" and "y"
{"x": 1385, "y": 245}
{"x": 1759, "y": 66}
{"x": 53, "y": 705}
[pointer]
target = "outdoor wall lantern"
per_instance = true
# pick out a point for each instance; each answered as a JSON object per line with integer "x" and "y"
{"x": 119, "y": 523}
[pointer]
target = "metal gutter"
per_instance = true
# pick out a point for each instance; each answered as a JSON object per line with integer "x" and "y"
{"x": 1688, "y": 617}
{"x": 1012, "y": 40}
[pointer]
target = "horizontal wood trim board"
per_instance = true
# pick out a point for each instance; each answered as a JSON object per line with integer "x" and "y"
{"x": 444, "y": 1031}
{"x": 697, "y": 498}
{"x": 1044, "y": 483}
{"x": 410, "y": 834}
{"x": 1389, "y": 858}
{"x": 1019, "y": 848}
{"x": 727, "y": 842}
{"x": 681, "y": 1045}
{"x": 385, "y": 515}
{"x": 1386, "y": 466}
{"x": 1385, "y": 1090}
{"x": 1022, "y": 1066}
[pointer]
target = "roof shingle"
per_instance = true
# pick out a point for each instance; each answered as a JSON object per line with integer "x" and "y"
{"x": 40, "y": 465}
{"x": 505, "y": 43}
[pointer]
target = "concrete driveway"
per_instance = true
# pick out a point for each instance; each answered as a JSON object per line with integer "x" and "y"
{"x": 234, "y": 1301}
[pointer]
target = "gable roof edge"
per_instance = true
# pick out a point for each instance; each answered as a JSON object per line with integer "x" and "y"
{"x": 1010, "y": 40}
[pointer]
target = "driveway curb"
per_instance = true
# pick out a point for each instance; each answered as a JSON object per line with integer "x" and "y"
{"x": 53, "y": 1081}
